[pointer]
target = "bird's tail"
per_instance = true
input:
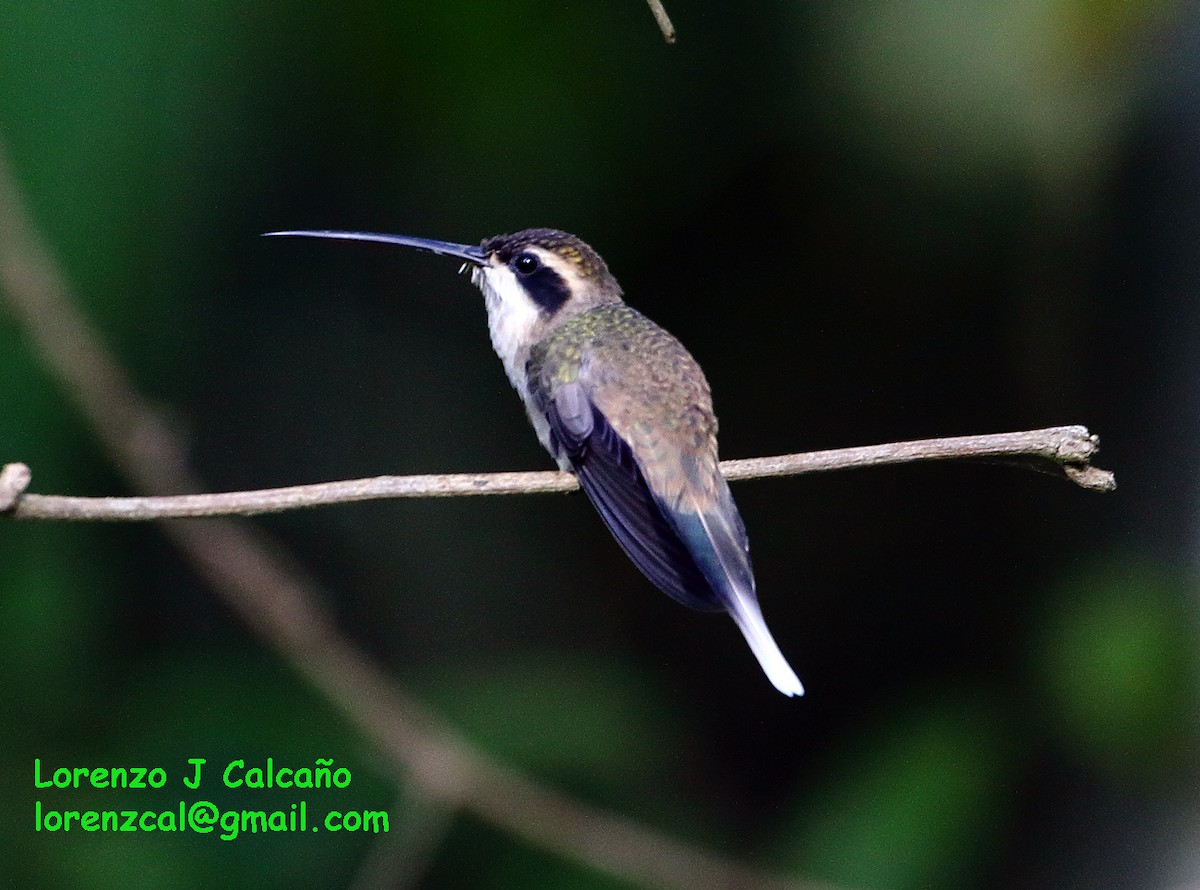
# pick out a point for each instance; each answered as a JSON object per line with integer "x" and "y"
{"x": 727, "y": 568}
{"x": 749, "y": 619}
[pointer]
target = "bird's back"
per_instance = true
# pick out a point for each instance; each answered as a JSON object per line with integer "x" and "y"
{"x": 647, "y": 386}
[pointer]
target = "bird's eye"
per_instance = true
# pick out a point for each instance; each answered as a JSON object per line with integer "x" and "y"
{"x": 526, "y": 264}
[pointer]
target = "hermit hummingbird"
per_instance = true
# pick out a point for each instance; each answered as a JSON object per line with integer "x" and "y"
{"x": 620, "y": 403}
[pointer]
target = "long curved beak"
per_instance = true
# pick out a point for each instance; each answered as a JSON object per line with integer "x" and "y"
{"x": 470, "y": 253}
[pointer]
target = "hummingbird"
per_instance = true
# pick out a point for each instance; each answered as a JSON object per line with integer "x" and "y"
{"x": 621, "y": 404}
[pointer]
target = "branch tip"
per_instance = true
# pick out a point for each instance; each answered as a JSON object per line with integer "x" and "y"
{"x": 1087, "y": 476}
{"x": 1073, "y": 454}
{"x": 1077, "y": 446}
{"x": 664, "y": 21}
{"x": 14, "y": 479}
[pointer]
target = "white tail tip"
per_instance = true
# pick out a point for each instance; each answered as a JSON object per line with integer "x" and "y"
{"x": 750, "y": 622}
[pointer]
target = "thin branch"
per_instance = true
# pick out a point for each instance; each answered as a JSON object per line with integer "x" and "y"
{"x": 664, "y": 21}
{"x": 283, "y": 605}
{"x": 1066, "y": 449}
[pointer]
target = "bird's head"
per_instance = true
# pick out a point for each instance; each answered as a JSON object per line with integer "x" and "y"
{"x": 548, "y": 271}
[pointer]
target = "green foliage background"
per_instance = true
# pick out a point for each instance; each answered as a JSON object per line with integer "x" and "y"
{"x": 869, "y": 221}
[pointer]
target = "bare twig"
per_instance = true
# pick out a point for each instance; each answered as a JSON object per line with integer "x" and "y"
{"x": 664, "y": 21}
{"x": 282, "y": 604}
{"x": 1066, "y": 449}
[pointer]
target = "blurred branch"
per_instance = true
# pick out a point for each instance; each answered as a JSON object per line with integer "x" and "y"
{"x": 283, "y": 605}
{"x": 664, "y": 22}
{"x": 400, "y": 859}
{"x": 1064, "y": 449}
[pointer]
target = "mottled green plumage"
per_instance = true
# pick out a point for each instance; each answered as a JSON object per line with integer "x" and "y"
{"x": 648, "y": 387}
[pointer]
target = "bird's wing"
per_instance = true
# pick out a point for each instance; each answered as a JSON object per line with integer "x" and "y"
{"x": 610, "y": 476}
{"x": 697, "y": 553}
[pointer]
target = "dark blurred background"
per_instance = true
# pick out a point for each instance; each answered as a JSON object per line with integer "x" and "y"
{"x": 868, "y": 221}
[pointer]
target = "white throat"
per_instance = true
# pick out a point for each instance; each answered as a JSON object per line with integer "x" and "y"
{"x": 511, "y": 319}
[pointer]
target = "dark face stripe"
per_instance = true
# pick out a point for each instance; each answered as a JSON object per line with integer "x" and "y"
{"x": 546, "y": 288}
